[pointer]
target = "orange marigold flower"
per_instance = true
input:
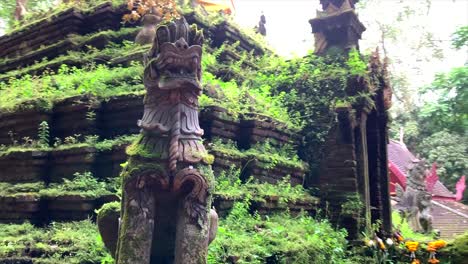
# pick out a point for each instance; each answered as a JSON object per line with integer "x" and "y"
{"x": 433, "y": 261}
{"x": 431, "y": 246}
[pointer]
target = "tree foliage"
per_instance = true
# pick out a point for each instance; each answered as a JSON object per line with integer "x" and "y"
{"x": 460, "y": 37}
{"x": 436, "y": 128}
{"x": 450, "y": 152}
{"x": 450, "y": 108}
{"x": 8, "y": 7}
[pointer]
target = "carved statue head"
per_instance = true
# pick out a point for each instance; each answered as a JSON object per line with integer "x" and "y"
{"x": 174, "y": 61}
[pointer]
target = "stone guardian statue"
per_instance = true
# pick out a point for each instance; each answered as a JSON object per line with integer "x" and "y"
{"x": 167, "y": 184}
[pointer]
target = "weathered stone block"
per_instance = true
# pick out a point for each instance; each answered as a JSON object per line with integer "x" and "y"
{"x": 15, "y": 126}
{"x": 19, "y": 207}
{"x": 66, "y": 162}
{"x": 76, "y": 115}
{"x": 23, "y": 166}
{"x": 119, "y": 115}
{"x": 70, "y": 207}
{"x": 217, "y": 123}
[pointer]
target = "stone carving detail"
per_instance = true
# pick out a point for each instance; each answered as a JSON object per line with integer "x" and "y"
{"x": 337, "y": 25}
{"x": 167, "y": 185}
{"x": 414, "y": 203}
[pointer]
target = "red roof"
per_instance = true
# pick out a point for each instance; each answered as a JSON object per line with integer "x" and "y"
{"x": 400, "y": 156}
{"x": 441, "y": 191}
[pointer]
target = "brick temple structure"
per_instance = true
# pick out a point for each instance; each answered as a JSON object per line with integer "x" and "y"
{"x": 355, "y": 160}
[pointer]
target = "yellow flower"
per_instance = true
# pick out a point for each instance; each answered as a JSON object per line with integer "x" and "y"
{"x": 440, "y": 244}
{"x": 416, "y": 261}
{"x": 412, "y": 246}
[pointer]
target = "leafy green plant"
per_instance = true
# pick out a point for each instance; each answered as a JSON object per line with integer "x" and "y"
{"x": 352, "y": 206}
{"x": 72, "y": 242}
{"x": 355, "y": 64}
{"x": 43, "y": 134}
{"x": 83, "y": 184}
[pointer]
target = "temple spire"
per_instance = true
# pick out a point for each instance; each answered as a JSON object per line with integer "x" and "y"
{"x": 336, "y": 26}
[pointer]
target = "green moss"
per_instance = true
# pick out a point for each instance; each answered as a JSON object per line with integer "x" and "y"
{"x": 137, "y": 149}
{"x": 19, "y": 189}
{"x": 5, "y": 151}
{"x": 137, "y": 167}
{"x": 108, "y": 144}
{"x": 108, "y": 209}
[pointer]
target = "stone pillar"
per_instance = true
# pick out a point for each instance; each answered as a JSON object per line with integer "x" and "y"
{"x": 338, "y": 181}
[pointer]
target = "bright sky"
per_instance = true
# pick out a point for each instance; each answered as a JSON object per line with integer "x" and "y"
{"x": 289, "y": 32}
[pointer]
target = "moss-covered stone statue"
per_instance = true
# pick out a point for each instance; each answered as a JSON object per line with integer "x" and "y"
{"x": 167, "y": 182}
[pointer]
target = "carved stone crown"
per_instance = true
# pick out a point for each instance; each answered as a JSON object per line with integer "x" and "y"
{"x": 175, "y": 57}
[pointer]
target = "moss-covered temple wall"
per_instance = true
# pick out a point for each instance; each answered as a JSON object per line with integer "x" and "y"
{"x": 75, "y": 93}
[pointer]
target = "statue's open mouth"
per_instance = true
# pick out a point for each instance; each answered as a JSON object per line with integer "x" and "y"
{"x": 179, "y": 67}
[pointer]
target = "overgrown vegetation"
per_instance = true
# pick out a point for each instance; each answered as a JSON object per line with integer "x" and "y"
{"x": 72, "y": 242}
{"x": 229, "y": 185}
{"x": 45, "y": 10}
{"x": 99, "y": 80}
{"x": 310, "y": 88}
{"x": 285, "y": 154}
{"x": 247, "y": 238}
{"x": 82, "y": 184}
{"x": 404, "y": 228}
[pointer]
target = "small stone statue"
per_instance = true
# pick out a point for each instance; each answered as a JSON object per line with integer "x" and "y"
{"x": 261, "y": 25}
{"x": 415, "y": 202}
{"x": 148, "y": 32}
{"x": 20, "y": 10}
{"x": 168, "y": 183}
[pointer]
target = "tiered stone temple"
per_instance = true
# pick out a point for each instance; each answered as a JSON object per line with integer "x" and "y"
{"x": 356, "y": 154}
